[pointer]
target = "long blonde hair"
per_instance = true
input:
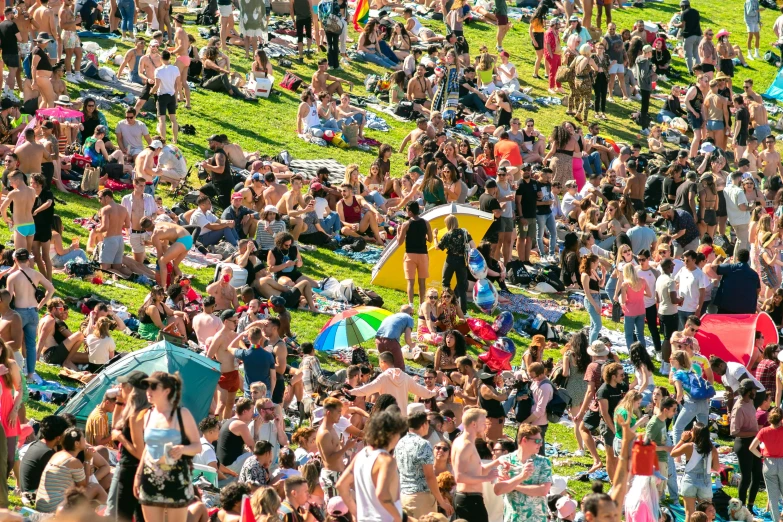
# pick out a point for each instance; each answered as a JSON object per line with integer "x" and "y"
{"x": 485, "y": 62}
{"x": 348, "y": 171}
{"x": 627, "y": 403}
{"x": 265, "y": 502}
{"x": 631, "y": 277}
{"x": 622, "y": 249}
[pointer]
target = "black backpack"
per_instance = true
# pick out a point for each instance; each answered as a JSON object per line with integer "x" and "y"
{"x": 367, "y": 297}
{"x": 558, "y": 404}
{"x": 517, "y": 273}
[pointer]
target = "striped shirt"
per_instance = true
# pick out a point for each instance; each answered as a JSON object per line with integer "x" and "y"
{"x": 55, "y": 480}
{"x": 265, "y": 236}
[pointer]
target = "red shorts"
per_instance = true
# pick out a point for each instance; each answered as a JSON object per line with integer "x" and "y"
{"x": 230, "y": 381}
{"x": 502, "y": 19}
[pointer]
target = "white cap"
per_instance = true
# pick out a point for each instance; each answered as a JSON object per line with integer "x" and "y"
{"x": 416, "y": 407}
{"x": 156, "y": 144}
{"x": 559, "y": 484}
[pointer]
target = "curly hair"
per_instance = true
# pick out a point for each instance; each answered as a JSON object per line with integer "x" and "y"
{"x": 560, "y": 136}
{"x": 381, "y": 429}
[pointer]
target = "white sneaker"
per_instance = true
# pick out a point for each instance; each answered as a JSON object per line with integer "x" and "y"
{"x": 69, "y": 77}
{"x": 579, "y": 453}
{"x": 756, "y": 54}
{"x": 637, "y": 97}
{"x": 750, "y": 57}
{"x": 79, "y": 77}
{"x": 645, "y": 132}
{"x": 610, "y": 99}
{"x": 472, "y": 190}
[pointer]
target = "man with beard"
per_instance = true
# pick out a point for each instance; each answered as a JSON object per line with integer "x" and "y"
{"x": 217, "y": 349}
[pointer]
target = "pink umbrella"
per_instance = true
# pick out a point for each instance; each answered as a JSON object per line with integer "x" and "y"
{"x": 59, "y": 112}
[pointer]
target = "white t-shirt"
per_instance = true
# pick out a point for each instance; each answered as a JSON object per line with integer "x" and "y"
{"x": 321, "y": 207}
{"x": 168, "y": 75}
{"x": 650, "y": 277}
{"x": 132, "y": 135}
{"x": 735, "y": 197}
{"x": 507, "y": 72}
{"x": 99, "y": 350}
{"x": 570, "y": 202}
{"x": 199, "y": 219}
{"x": 664, "y": 285}
{"x": 172, "y": 159}
{"x": 689, "y": 286}
{"x": 587, "y": 189}
{"x": 735, "y": 372}
{"x": 207, "y": 454}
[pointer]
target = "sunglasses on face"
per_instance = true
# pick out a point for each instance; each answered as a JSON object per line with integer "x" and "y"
{"x": 536, "y": 441}
{"x": 441, "y": 448}
{"x": 153, "y": 386}
{"x": 432, "y": 297}
{"x": 642, "y": 259}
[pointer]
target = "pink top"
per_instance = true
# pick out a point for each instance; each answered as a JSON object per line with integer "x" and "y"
{"x": 6, "y": 404}
{"x": 634, "y": 301}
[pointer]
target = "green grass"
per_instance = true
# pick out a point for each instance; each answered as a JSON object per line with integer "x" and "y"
{"x": 269, "y": 126}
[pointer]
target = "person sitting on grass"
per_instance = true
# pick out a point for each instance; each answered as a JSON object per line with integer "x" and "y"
{"x": 154, "y": 315}
{"x": 350, "y": 207}
{"x": 59, "y": 254}
{"x": 297, "y": 296}
{"x": 95, "y": 149}
{"x": 285, "y": 260}
{"x": 225, "y": 295}
{"x": 56, "y": 343}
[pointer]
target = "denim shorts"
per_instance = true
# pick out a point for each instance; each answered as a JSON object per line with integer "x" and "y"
{"x": 696, "y": 487}
{"x": 715, "y": 125}
{"x": 694, "y": 122}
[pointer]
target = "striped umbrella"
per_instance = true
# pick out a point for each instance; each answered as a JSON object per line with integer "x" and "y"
{"x": 350, "y": 328}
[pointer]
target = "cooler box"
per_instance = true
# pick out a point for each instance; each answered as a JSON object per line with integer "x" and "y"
{"x": 208, "y": 472}
{"x": 264, "y": 86}
{"x": 240, "y": 274}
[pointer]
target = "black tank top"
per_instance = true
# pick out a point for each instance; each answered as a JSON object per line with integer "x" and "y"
{"x": 697, "y": 101}
{"x": 229, "y": 446}
{"x": 503, "y": 118}
{"x": 416, "y": 238}
{"x": 493, "y": 407}
{"x": 59, "y": 337}
{"x": 43, "y": 64}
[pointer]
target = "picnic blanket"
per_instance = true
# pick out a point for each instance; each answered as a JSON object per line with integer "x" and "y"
{"x": 550, "y": 309}
{"x": 386, "y": 110}
{"x": 329, "y": 306}
{"x": 309, "y": 168}
{"x": 617, "y": 338}
{"x": 196, "y": 259}
{"x": 121, "y": 85}
{"x": 369, "y": 255}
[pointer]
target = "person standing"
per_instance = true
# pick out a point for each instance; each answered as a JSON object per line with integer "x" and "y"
{"x": 768, "y": 445}
{"x": 690, "y": 24}
{"x": 682, "y": 227}
{"x": 744, "y": 428}
{"x": 469, "y": 472}
{"x": 114, "y": 218}
{"x": 138, "y": 205}
{"x": 738, "y": 210}
{"x": 415, "y": 234}
{"x": 370, "y": 486}
{"x": 692, "y": 286}
{"x": 633, "y": 291}
{"x": 455, "y": 242}
{"x": 418, "y": 482}
{"x": 526, "y": 478}
{"x": 645, "y": 76}
{"x": 330, "y": 446}
{"x": 552, "y": 54}
{"x": 302, "y": 14}
{"x": 10, "y": 38}
{"x": 168, "y": 83}
{"x": 617, "y": 60}
{"x": 657, "y": 431}
{"x": 740, "y": 285}
{"x": 753, "y": 25}
{"x": 542, "y": 391}
{"x": 527, "y": 196}
{"x": 387, "y": 338}
{"x": 501, "y": 13}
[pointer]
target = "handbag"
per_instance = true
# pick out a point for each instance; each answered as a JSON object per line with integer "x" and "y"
{"x": 91, "y": 179}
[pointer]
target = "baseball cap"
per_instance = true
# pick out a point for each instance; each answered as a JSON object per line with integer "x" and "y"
{"x": 682, "y": 154}
{"x": 214, "y": 137}
{"x": 566, "y": 506}
{"x": 225, "y": 315}
{"x": 277, "y": 300}
{"x": 316, "y": 186}
{"x": 154, "y": 43}
{"x": 257, "y": 165}
{"x": 270, "y": 208}
{"x": 505, "y": 53}
{"x": 156, "y": 144}
{"x": 256, "y": 176}
{"x": 336, "y": 507}
{"x": 236, "y": 195}
{"x": 134, "y": 378}
{"x": 21, "y": 254}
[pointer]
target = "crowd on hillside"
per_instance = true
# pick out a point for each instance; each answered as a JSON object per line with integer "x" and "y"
{"x": 642, "y": 232}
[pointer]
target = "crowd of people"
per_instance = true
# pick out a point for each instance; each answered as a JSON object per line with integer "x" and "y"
{"x": 655, "y": 239}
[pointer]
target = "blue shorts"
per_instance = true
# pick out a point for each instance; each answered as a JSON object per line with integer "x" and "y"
{"x": 112, "y": 250}
{"x": 26, "y": 229}
{"x": 694, "y": 122}
{"x": 715, "y": 125}
{"x": 761, "y": 132}
{"x": 187, "y": 242}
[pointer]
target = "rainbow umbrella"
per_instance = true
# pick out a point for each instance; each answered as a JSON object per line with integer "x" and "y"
{"x": 350, "y": 328}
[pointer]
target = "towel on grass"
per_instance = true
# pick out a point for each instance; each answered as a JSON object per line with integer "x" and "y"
{"x": 550, "y": 309}
{"x": 369, "y": 255}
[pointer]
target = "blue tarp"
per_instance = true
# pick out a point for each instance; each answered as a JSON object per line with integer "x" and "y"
{"x": 775, "y": 90}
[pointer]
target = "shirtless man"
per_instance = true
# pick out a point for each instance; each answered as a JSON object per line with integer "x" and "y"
{"x": 147, "y": 65}
{"x": 180, "y": 50}
{"x": 138, "y": 204}
{"x": 274, "y": 191}
{"x": 414, "y": 135}
{"x": 300, "y": 296}
{"x": 23, "y": 198}
{"x": 26, "y": 305}
{"x": 420, "y": 88}
{"x": 114, "y": 218}
{"x": 31, "y": 154}
{"x": 236, "y": 155}
{"x": 769, "y": 158}
{"x": 292, "y": 204}
{"x": 752, "y": 155}
{"x": 634, "y": 184}
{"x": 750, "y": 94}
{"x": 70, "y": 42}
{"x": 469, "y": 381}
{"x": 469, "y": 472}
{"x": 330, "y": 446}
{"x": 56, "y": 343}
{"x": 51, "y": 168}
{"x": 145, "y": 165}
{"x": 758, "y": 117}
{"x": 23, "y": 23}
{"x": 164, "y": 18}
{"x": 708, "y": 57}
{"x": 172, "y": 243}
{"x": 43, "y": 22}
{"x": 321, "y": 80}
{"x": 253, "y": 195}
{"x": 217, "y": 349}
{"x": 278, "y": 306}
{"x": 205, "y": 324}
{"x": 225, "y": 295}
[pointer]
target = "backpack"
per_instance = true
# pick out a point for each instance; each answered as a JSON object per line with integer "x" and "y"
{"x": 291, "y": 81}
{"x": 367, "y": 297}
{"x": 517, "y": 273}
{"x": 332, "y": 22}
{"x": 558, "y": 404}
{"x": 700, "y": 388}
{"x": 79, "y": 269}
{"x": 90, "y": 179}
{"x": 404, "y": 109}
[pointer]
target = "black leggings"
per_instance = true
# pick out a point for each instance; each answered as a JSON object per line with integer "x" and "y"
{"x": 333, "y": 49}
{"x": 470, "y": 506}
{"x": 644, "y": 113}
{"x": 750, "y": 468}
{"x": 600, "y": 87}
{"x": 317, "y": 238}
{"x": 455, "y": 266}
{"x": 126, "y": 504}
{"x": 651, "y": 314}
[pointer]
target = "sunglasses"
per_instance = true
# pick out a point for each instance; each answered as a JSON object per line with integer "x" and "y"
{"x": 432, "y": 297}
{"x": 536, "y": 441}
{"x": 642, "y": 259}
{"x": 153, "y": 385}
{"x": 441, "y": 448}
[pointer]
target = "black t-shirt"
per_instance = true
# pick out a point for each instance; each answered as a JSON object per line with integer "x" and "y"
{"x": 670, "y": 188}
{"x": 613, "y": 396}
{"x": 462, "y": 81}
{"x": 546, "y": 190}
{"x": 8, "y": 32}
{"x": 529, "y": 193}
{"x": 682, "y": 199}
{"x": 743, "y": 117}
{"x": 488, "y": 203}
{"x": 653, "y": 191}
{"x": 44, "y": 216}
{"x": 607, "y": 189}
{"x": 35, "y": 460}
{"x": 691, "y": 23}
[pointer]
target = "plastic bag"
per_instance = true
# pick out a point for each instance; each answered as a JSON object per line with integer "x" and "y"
{"x": 107, "y": 75}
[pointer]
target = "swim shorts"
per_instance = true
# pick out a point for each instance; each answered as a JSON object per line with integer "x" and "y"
{"x": 230, "y": 381}
{"x": 186, "y": 241}
{"x": 70, "y": 39}
{"x": 112, "y": 250}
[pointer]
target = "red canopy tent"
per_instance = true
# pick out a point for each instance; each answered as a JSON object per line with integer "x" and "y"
{"x": 731, "y": 336}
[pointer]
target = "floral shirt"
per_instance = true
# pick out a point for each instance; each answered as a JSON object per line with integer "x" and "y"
{"x": 454, "y": 242}
{"x": 518, "y": 507}
{"x": 253, "y": 473}
{"x": 413, "y": 453}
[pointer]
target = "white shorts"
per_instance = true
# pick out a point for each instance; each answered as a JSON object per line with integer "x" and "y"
{"x": 617, "y": 68}
{"x": 753, "y": 27}
{"x": 137, "y": 242}
{"x": 172, "y": 174}
{"x": 226, "y": 10}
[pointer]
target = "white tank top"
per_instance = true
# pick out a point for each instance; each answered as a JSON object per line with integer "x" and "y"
{"x": 312, "y": 119}
{"x": 368, "y": 507}
{"x": 416, "y": 26}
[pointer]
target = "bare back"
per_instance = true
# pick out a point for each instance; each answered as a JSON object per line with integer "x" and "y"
{"x": 23, "y": 199}
{"x": 31, "y": 156}
{"x": 114, "y": 217}
{"x": 21, "y": 289}
{"x": 465, "y": 459}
